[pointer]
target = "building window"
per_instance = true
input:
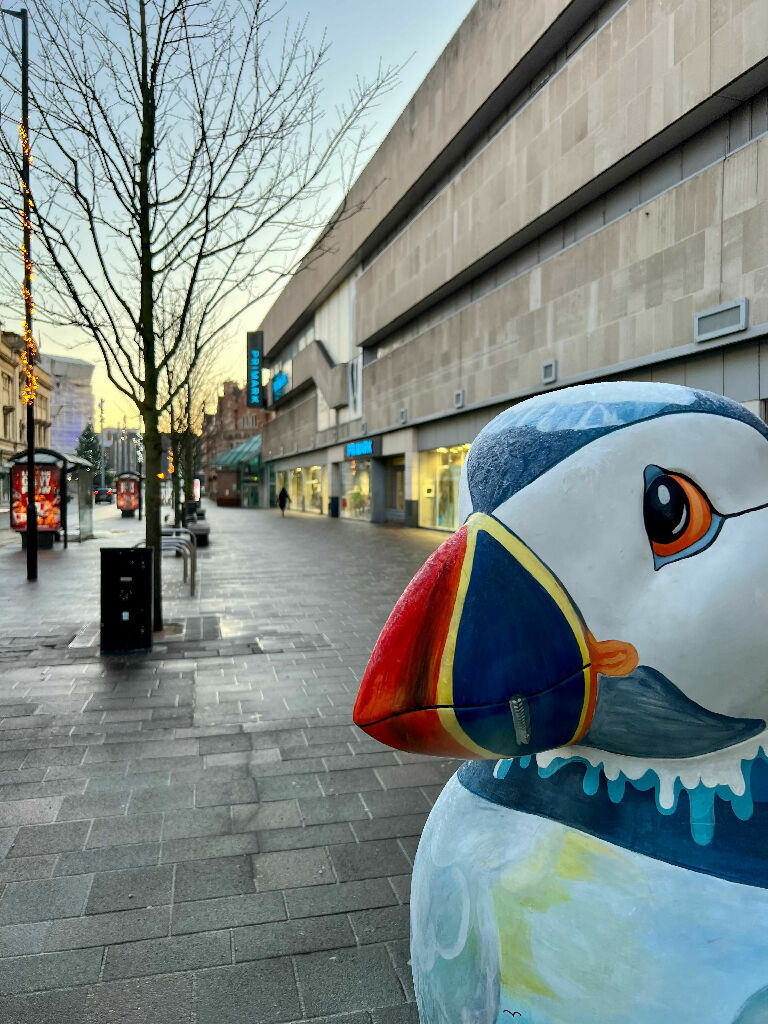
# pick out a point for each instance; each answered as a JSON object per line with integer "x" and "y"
{"x": 439, "y": 474}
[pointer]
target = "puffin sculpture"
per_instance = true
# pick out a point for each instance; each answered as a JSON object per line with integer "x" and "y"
{"x": 594, "y": 640}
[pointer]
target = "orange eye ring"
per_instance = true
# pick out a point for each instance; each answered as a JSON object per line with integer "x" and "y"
{"x": 698, "y": 522}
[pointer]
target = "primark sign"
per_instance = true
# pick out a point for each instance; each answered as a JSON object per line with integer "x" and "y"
{"x": 365, "y": 447}
{"x": 255, "y": 358}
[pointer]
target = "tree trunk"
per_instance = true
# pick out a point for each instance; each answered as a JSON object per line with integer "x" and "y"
{"x": 189, "y": 464}
{"x": 153, "y": 461}
{"x": 175, "y": 478}
{"x": 146, "y": 320}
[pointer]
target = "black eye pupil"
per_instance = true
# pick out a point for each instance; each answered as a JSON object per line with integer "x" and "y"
{"x": 665, "y": 510}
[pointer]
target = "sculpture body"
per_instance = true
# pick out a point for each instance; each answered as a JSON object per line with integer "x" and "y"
{"x": 594, "y": 639}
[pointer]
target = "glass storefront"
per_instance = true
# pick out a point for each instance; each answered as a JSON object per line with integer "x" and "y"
{"x": 439, "y": 473}
{"x": 295, "y": 489}
{"x": 356, "y": 489}
{"x": 249, "y": 491}
{"x": 314, "y": 480}
{"x": 281, "y": 481}
{"x": 307, "y": 488}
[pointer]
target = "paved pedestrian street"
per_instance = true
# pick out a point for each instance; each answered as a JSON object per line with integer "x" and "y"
{"x": 200, "y": 834}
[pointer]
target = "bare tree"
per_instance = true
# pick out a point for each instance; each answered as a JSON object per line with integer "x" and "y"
{"x": 190, "y": 380}
{"x": 182, "y": 159}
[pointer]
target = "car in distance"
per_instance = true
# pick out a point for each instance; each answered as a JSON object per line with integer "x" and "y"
{"x": 102, "y": 494}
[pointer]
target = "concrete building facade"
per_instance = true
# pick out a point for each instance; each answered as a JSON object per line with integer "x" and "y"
{"x": 71, "y": 399}
{"x": 578, "y": 191}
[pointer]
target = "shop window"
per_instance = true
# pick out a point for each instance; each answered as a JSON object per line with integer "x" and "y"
{"x": 313, "y": 489}
{"x": 439, "y": 474}
{"x": 356, "y": 489}
{"x": 281, "y": 481}
{"x": 295, "y": 490}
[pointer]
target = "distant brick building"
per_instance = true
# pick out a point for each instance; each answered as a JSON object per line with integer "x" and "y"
{"x": 231, "y": 424}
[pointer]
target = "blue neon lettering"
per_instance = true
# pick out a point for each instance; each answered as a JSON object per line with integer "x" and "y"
{"x": 357, "y": 448}
{"x": 254, "y": 383}
{"x": 279, "y": 382}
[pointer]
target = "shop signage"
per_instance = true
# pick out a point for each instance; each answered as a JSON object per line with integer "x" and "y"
{"x": 47, "y": 497}
{"x": 279, "y": 384}
{"x": 360, "y": 449}
{"x": 255, "y": 345}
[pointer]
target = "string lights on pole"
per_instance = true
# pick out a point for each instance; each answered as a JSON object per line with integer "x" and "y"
{"x": 29, "y": 352}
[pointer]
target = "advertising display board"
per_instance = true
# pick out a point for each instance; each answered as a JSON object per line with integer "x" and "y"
{"x": 127, "y": 493}
{"x": 47, "y": 498}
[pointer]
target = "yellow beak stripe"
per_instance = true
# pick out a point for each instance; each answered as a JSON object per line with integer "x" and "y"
{"x": 545, "y": 578}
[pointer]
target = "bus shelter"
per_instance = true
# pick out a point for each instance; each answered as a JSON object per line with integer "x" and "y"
{"x": 63, "y": 496}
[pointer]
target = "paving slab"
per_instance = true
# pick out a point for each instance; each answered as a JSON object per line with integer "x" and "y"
{"x": 254, "y": 993}
{"x": 44, "y": 899}
{"x": 227, "y": 912}
{"x": 348, "y": 979}
{"x": 164, "y": 1000}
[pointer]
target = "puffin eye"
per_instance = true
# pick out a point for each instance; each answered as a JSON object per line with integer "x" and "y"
{"x": 678, "y": 516}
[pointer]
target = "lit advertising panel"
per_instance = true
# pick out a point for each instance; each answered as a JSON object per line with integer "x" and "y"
{"x": 47, "y": 497}
{"x": 127, "y": 494}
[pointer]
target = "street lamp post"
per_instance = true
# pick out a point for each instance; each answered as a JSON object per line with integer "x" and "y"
{"x": 28, "y": 355}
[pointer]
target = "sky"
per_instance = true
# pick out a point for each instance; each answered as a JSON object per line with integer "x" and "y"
{"x": 398, "y": 32}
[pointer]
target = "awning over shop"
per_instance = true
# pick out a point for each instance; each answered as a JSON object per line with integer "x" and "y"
{"x": 243, "y": 455}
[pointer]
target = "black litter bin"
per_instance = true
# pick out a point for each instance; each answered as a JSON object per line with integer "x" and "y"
{"x": 126, "y": 600}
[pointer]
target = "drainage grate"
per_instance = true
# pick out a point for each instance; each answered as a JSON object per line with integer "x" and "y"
{"x": 202, "y": 627}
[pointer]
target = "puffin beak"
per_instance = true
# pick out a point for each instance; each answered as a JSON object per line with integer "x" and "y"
{"x": 485, "y": 655}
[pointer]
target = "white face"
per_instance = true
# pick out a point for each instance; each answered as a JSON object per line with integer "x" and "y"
{"x": 701, "y": 620}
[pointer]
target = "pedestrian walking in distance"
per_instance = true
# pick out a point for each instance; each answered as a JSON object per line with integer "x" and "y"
{"x": 282, "y": 500}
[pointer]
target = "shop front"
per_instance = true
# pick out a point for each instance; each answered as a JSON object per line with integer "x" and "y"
{"x": 439, "y": 474}
{"x": 295, "y": 489}
{"x": 356, "y": 489}
{"x": 307, "y": 488}
{"x": 249, "y": 490}
{"x": 315, "y": 490}
{"x": 238, "y": 473}
{"x": 394, "y": 508}
{"x": 356, "y": 472}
